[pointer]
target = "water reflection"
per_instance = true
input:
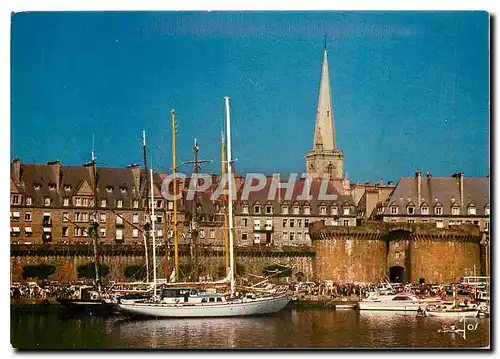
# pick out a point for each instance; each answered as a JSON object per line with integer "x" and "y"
{"x": 301, "y": 328}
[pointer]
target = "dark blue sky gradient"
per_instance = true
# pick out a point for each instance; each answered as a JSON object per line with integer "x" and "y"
{"x": 410, "y": 90}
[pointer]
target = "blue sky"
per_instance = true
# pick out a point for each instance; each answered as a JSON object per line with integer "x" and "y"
{"x": 410, "y": 90}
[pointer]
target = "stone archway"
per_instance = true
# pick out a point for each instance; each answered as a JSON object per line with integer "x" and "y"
{"x": 396, "y": 274}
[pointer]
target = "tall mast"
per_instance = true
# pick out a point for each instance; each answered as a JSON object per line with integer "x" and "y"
{"x": 144, "y": 233}
{"x": 95, "y": 232}
{"x": 230, "y": 197}
{"x": 174, "y": 169}
{"x": 153, "y": 220}
{"x": 223, "y": 179}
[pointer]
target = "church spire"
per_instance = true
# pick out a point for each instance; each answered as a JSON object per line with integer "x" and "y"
{"x": 324, "y": 135}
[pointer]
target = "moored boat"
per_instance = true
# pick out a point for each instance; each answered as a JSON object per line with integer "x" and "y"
{"x": 452, "y": 313}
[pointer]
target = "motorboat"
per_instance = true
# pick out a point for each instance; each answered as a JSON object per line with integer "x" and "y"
{"x": 451, "y": 312}
{"x": 391, "y": 302}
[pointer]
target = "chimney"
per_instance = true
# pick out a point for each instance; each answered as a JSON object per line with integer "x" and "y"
{"x": 16, "y": 170}
{"x": 429, "y": 175}
{"x": 55, "y": 166}
{"x": 136, "y": 173}
{"x": 418, "y": 176}
{"x": 461, "y": 187}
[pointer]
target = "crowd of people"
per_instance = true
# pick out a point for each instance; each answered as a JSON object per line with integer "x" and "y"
{"x": 33, "y": 290}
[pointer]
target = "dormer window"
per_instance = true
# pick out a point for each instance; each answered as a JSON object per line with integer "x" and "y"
{"x": 269, "y": 209}
{"x": 119, "y": 203}
{"x": 424, "y": 210}
{"x": 66, "y": 202}
{"x": 256, "y": 209}
{"x": 335, "y": 211}
{"x": 307, "y": 210}
{"x": 438, "y": 210}
{"x": 472, "y": 210}
{"x": 67, "y": 187}
{"x": 296, "y": 209}
{"x": 37, "y": 186}
{"x": 244, "y": 209}
{"x": 455, "y": 210}
{"x": 109, "y": 189}
{"x": 28, "y": 201}
{"x": 52, "y": 186}
{"x": 78, "y": 201}
{"x": 347, "y": 211}
{"x": 410, "y": 209}
{"x": 123, "y": 190}
{"x": 394, "y": 209}
{"x": 322, "y": 210}
{"x": 103, "y": 203}
{"x": 46, "y": 201}
{"x": 487, "y": 210}
{"x": 284, "y": 210}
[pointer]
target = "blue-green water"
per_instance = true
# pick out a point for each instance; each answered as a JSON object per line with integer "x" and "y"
{"x": 291, "y": 328}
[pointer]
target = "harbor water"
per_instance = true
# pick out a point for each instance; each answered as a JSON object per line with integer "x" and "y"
{"x": 290, "y": 328}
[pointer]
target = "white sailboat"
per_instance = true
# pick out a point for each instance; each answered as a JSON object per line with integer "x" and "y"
{"x": 180, "y": 302}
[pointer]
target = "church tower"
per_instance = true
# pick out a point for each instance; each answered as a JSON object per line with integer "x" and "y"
{"x": 325, "y": 158}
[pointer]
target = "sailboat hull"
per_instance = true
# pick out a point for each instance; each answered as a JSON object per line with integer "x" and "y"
{"x": 235, "y": 308}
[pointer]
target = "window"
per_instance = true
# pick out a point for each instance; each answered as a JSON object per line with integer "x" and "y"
{"x": 425, "y": 221}
{"x": 245, "y": 222}
{"x": 410, "y": 210}
{"x": 47, "y": 201}
{"x": 256, "y": 224}
{"x": 159, "y": 203}
{"x": 269, "y": 209}
{"x": 119, "y": 234}
{"x": 487, "y": 211}
{"x": 102, "y": 217}
{"x": 109, "y": 189}
{"x": 27, "y": 216}
{"x": 85, "y": 217}
{"x": 299, "y": 236}
{"x": 46, "y": 219}
{"x": 439, "y": 224}
{"x": 65, "y": 217}
{"x": 170, "y": 205}
{"x": 410, "y": 221}
{"x": 78, "y": 201}
{"x": 292, "y": 235}
{"x": 244, "y": 236}
{"x": 438, "y": 211}
{"x": 424, "y": 210}
{"x": 135, "y": 233}
{"x": 52, "y": 186}
{"x": 28, "y": 231}
{"x": 486, "y": 226}
{"x": 285, "y": 236}
{"x": 119, "y": 219}
{"x": 394, "y": 210}
{"x": 245, "y": 208}
{"x": 396, "y": 254}
{"x": 472, "y": 210}
{"x": 37, "y": 186}
{"x": 65, "y": 231}
{"x": 322, "y": 210}
{"x": 284, "y": 210}
{"x": 212, "y": 234}
{"x": 296, "y": 209}
{"x": 16, "y": 215}
{"x": 102, "y": 232}
{"x": 455, "y": 211}
{"x": 85, "y": 202}
{"x": 103, "y": 203}
{"x": 159, "y": 233}
{"x": 269, "y": 224}
{"x": 135, "y": 203}
{"x": 306, "y": 223}
{"x": 306, "y": 236}
{"x": 256, "y": 238}
{"x": 307, "y": 210}
{"x": 285, "y": 222}
{"x": 159, "y": 219}
{"x": 292, "y": 223}
{"x": 119, "y": 203}
{"x": 347, "y": 211}
{"x": 335, "y": 211}
{"x": 16, "y": 231}
{"x": 346, "y": 222}
{"x": 256, "y": 209}
{"x": 28, "y": 201}
{"x": 123, "y": 190}
{"x": 135, "y": 218}
{"x": 77, "y": 232}
{"x": 15, "y": 199}
{"x": 67, "y": 187}
{"x": 202, "y": 233}
{"x": 299, "y": 223}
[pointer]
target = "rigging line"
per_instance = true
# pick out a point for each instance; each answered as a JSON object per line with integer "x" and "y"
{"x": 126, "y": 221}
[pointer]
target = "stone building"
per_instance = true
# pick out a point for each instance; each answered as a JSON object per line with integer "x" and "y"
{"x": 443, "y": 201}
